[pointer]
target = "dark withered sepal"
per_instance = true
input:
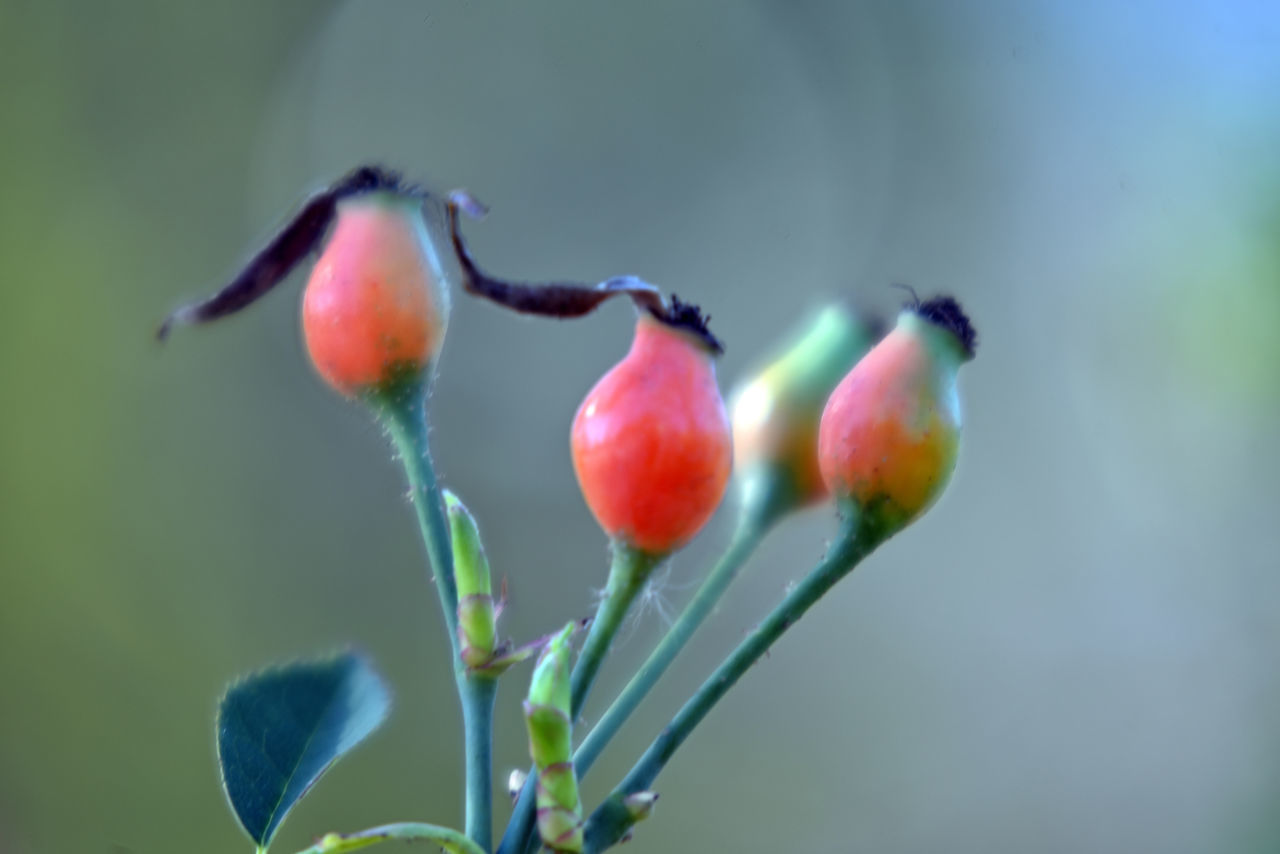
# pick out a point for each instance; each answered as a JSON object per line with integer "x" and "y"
{"x": 295, "y": 241}
{"x": 565, "y": 299}
{"x": 689, "y": 317}
{"x": 369, "y": 179}
{"x": 946, "y": 312}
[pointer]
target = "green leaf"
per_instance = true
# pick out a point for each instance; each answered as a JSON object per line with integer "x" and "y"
{"x": 279, "y": 730}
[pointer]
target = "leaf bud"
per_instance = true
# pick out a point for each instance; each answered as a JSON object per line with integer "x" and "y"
{"x": 477, "y": 629}
{"x": 546, "y": 713}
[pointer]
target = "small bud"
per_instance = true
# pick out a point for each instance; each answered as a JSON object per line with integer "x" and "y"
{"x": 776, "y": 413}
{"x": 477, "y": 631}
{"x": 890, "y": 433}
{"x": 640, "y": 805}
{"x": 515, "y": 782}
{"x": 547, "y": 720}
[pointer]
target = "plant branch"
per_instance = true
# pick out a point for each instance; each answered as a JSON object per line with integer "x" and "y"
{"x": 404, "y": 414}
{"x": 405, "y": 417}
{"x": 611, "y": 820}
{"x": 628, "y": 575}
{"x": 756, "y": 517}
{"x": 478, "y": 695}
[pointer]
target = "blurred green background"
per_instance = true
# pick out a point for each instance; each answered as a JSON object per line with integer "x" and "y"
{"x": 1076, "y": 651}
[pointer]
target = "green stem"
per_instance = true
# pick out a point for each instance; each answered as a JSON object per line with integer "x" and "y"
{"x": 447, "y": 838}
{"x": 404, "y": 413}
{"x": 755, "y": 519}
{"x": 628, "y": 575}
{"x": 611, "y": 820}
{"x": 405, "y": 416}
{"x": 478, "y": 695}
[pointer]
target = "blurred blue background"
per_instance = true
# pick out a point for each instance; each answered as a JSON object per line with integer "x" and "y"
{"x": 1076, "y": 651}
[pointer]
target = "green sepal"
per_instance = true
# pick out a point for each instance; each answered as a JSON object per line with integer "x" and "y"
{"x": 560, "y": 829}
{"x": 507, "y": 655}
{"x": 558, "y": 786}
{"x": 503, "y": 659}
{"x": 477, "y": 634}
{"x": 550, "y": 738}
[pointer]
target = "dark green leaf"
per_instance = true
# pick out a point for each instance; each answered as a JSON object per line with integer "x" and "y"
{"x": 279, "y": 730}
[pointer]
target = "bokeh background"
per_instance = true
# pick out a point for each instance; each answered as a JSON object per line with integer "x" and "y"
{"x": 1076, "y": 651}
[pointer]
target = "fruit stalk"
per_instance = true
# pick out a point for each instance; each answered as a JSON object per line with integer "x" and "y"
{"x": 609, "y": 823}
{"x": 628, "y": 575}
{"x": 405, "y": 418}
{"x": 756, "y": 518}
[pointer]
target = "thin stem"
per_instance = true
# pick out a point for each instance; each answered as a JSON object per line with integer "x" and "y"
{"x": 405, "y": 417}
{"x": 609, "y": 823}
{"x": 755, "y": 519}
{"x": 478, "y": 695}
{"x": 447, "y": 838}
{"x": 628, "y": 575}
{"x": 404, "y": 414}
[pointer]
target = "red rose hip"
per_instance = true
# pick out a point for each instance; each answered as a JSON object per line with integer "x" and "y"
{"x": 374, "y": 310}
{"x": 651, "y": 442}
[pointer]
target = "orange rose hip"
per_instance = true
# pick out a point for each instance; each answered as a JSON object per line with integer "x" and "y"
{"x": 775, "y": 414}
{"x": 374, "y": 310}
{"x": 890, "y": 432}
{"x": 651, "y": 442}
